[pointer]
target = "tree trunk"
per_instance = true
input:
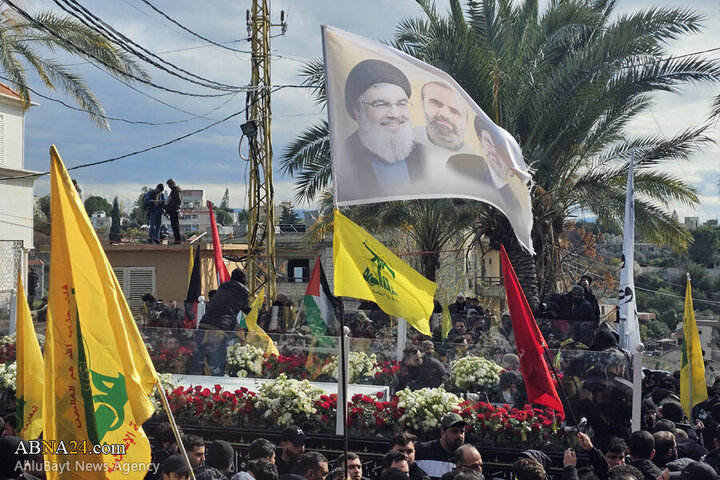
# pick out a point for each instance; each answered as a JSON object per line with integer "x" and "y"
{"x": 430, "y": 264}
{"x": 524, "y": 266}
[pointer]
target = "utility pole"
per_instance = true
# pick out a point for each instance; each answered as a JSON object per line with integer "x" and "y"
{"x": 260, "y": 264}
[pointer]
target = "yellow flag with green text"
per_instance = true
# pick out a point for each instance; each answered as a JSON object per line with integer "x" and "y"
{"x": 446, "y": 321}
{"x": 252, "y": 318}
{"x": 693, "y": 388}
{"x": 98, "y": 373}
{"x": 30, "y": 371}
{"x": 366, "y": 269}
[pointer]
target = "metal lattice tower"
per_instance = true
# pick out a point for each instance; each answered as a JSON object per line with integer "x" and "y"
{"x": 260, "y": 266}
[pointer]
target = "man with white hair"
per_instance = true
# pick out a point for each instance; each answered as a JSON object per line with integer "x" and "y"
{"x": 383, "y": 157}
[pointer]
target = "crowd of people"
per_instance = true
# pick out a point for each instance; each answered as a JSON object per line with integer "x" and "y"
{"x": 666, "y": 453}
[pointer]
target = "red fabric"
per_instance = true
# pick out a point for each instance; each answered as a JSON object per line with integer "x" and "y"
{"x": 220, "y": 268}
{"x": 529, "y": 341}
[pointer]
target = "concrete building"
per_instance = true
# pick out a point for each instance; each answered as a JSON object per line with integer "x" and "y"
{"x": 691, "y": 223}
{"x": 162, "y": 270}
{"x": 100, "y": 220}
{"x": 16, "y": 207}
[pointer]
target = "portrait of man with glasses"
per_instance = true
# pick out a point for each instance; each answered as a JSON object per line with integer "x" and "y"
{"x": 381, "y": 158}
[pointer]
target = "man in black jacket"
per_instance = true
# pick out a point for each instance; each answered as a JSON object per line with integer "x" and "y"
{"x": 172, "y": 207}
{"x": 218, "y": 323}
{"x": 642, "y": 450}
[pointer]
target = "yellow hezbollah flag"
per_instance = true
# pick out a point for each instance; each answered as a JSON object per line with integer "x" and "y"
{"x": 252, "y": 319}
{"x": 99, "y": 374}
{"x": 446, "y": 321}
{"x": 365, "y": 268}
{"x": 30, "y": 372}
{"x": 693, "y": 388}
{"x": 190, "y": 265}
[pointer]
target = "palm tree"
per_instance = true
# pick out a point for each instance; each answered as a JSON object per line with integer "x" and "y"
{"x": 23, "y": 36}
{"x": 565, "y": 83}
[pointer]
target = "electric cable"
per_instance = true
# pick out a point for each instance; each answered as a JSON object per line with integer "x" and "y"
{"x": 75, "y": 48}
{"x": 191, "y": 32}
{"x": 103, "y": 28}
{"x": 119, "y": 119}
{"x": 137, "y": 152}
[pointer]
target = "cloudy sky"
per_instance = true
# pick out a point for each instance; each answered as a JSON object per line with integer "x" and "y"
{"x": 210, "y": 160}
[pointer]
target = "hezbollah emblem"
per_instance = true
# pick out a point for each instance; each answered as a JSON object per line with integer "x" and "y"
{"x": 376, "y": 278}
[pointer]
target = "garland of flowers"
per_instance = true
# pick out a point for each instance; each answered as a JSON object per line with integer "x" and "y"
{"x": 8, "y": 377}
{"x": 7, "y": 349}
{"x": 527, "y": 427}
{"x": 361, "y": 367}
{"x": 425, "y": 407}
{"x": 244, "y": 360}
{"x": 286, "y": 401}
{"x": 474, "y": 373}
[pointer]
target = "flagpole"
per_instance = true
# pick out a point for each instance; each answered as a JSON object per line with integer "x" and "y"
{"x": 689, "y": 357}
{"x": 178, "y": 438}
{"x": 342, "y": 382}
{"x": 559, "y": 383}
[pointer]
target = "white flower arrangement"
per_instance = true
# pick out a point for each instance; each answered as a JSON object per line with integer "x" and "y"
{"x": 425, "y": 408}
{"x": 286, "y": 402}
{"x": 168, "y": 385}
{"x": 360, "y": 366}
{"x": 475, "y": 373}
{"x": 8, "y": 377}
{"x": 244, "y": 360}
{"x": 12, "y": 338}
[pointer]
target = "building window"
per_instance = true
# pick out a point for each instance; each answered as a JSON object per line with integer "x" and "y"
{"x": 136, "y": 282}
{"x": 298, "y": 270}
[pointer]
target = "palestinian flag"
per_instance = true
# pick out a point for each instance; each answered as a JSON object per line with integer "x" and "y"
{"x": 319, "y": 303}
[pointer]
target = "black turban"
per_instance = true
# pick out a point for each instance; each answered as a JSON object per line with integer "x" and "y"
{"x": 366, "y": 74}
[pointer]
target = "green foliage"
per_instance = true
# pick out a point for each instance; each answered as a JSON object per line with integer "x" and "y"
{"x": 115, "y": 235}
{"x": 289, "y": 216}
{"x": 222, "y": 217}
{"x": 565, "y": 81}
{"x": 97, "y": 204}
{"x": 225, "y": 202}
{"x": 705, "y": 245}
{"x": 45, "y": 205}
{"x": 23, "y": 40}
{"x": 138, "y": 216}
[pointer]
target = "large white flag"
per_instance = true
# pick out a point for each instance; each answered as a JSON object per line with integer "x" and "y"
{"x": 629, "y": 329}
{"x": 401, "y": 129}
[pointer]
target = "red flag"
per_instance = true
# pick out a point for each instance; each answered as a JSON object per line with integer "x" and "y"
{"x": 529, "y": 341}
{"x": 220, "y": 268}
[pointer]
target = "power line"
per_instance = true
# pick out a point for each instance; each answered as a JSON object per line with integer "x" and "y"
{"x": 137, "y": 152}
{"x": 119, "y": 119}
{"x": 191, "y": 32}
{"x": 75, "y": 48}
{"x": 94, "y": 22}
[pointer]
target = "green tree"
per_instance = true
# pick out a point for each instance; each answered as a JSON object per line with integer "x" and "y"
{"x": 115, "y": 235}
{"x": 433, "y": 225}
{"x": 565, "y": 82}
{"x": 24, "y": 36}
{"x": 97, "y": 204}
{"x": 225, "y": 202}
{"x": 222, "y": 217}
{"x": 289, "y": 216}
{"x": 45, "y": 205}
{"x": 138, "y": 215}
{"x": 705, "y": 245}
